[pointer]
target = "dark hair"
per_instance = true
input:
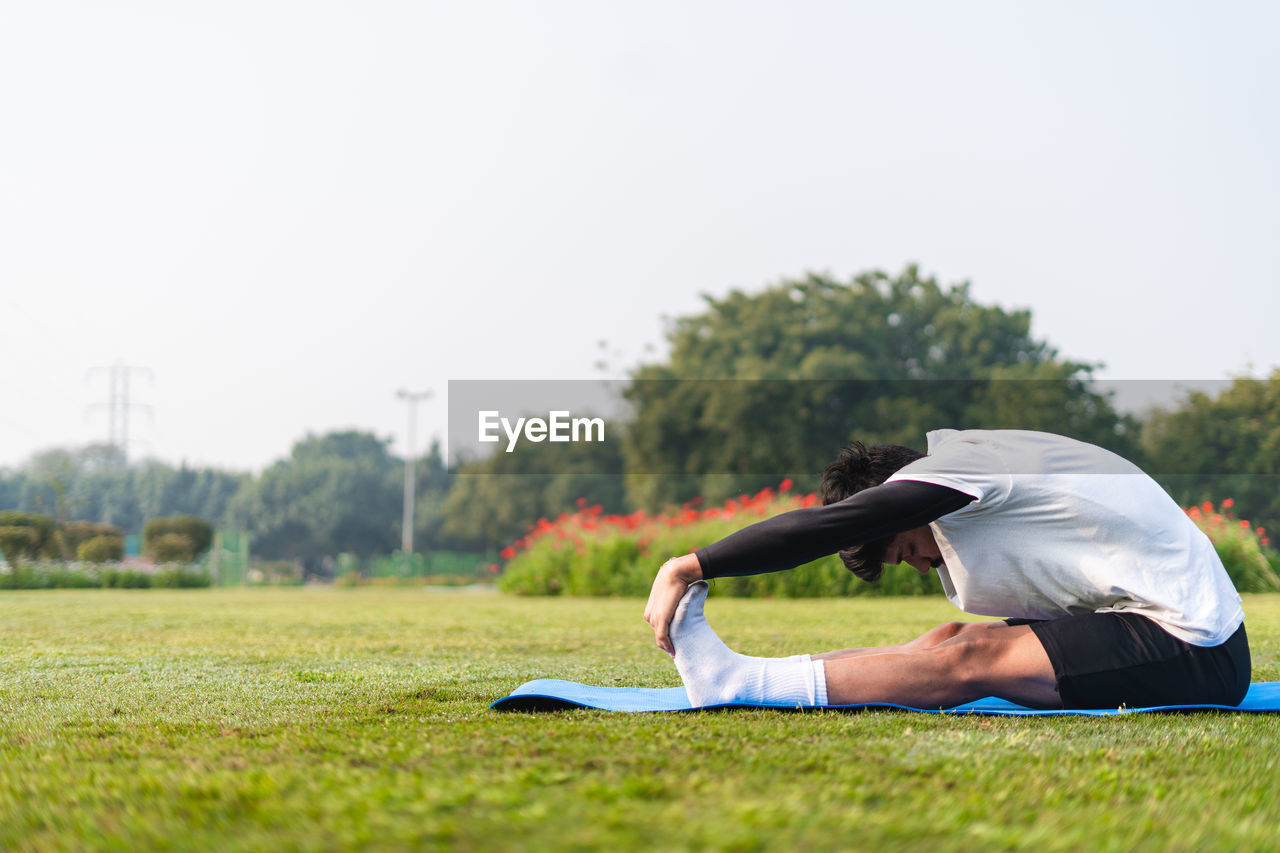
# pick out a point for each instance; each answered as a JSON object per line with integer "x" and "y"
{"x": 859, "y": 467}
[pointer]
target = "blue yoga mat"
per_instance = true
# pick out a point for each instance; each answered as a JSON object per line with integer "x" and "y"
{"x": 552, "y": 694}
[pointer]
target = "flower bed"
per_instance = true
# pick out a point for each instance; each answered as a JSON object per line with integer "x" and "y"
{"x": 587, "y": 552}
{"x": 1245, "y": 550}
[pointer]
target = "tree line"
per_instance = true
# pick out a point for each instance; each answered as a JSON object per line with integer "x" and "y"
{"x": 756, "y": 387}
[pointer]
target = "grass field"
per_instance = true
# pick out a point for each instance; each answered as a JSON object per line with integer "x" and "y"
{"x": 328, "y": 719}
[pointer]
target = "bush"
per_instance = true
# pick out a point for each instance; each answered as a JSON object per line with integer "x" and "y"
{"x": 585, "y": 553}
{"x": 38, "y": 540}
{"x": 57, "y": 575}
{"x": 347, "y": 564}
{"x": 16, "y": 543}
{"x": 101, "y": 549}
{"x": 76, "y": 533}
{"x": 72, "y": 579}
{"x": 124, "y": 579}
{"x": 172, "y": 548}
{"x": 181, "y": 579}
{"x": 159, "y": 544}
{"x": 1245, "y": 550}
{"x": 22, "y": 577}
{"x": 275, "y": 573}
{"x": 49, "y": 575}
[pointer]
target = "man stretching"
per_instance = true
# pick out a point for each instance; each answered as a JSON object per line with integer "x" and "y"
{"x": 1112, "y": 596}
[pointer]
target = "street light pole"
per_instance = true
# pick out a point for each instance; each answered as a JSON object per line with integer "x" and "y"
{"x": 406, "y": 537}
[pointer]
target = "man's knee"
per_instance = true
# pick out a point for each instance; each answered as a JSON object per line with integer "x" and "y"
{"x": 976, "y": 653}
{"x": 960, "y": 657}
{"x": 1006, "y": 660}
{"x": 948, "y": 631}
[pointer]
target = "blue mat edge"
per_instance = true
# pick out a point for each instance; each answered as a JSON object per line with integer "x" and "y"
{"x": 1263, "y": 698}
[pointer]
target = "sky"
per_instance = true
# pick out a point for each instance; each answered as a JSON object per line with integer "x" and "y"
{"x": 281, "y": 213}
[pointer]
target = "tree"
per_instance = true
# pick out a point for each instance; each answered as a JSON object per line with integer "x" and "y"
{"x": 335, "y": 493}
{"x": 1211, "y": 448}
{"x": 493, "y": 500}
{"x": 163, "y": 490}
{"x": 768, "y": 385}
{"x": 432, "y": 480}
{"x": 11, "y": 484}
{"x": 95, "y": 484}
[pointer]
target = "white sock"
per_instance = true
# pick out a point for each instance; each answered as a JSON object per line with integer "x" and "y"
{"x": 715, "y": 674}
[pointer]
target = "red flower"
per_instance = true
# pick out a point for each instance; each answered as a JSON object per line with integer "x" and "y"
{"x": 1228, "y": 503}
{"x": 507, "y": 553}
{"x": 785, "y": 485}
{"x": 1207, "y": 506}
{"x": 1244, "y": 525}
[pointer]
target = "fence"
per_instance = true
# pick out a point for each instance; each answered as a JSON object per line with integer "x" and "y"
{"x": 435, "y": 564}
{"x": 228, "y": 559}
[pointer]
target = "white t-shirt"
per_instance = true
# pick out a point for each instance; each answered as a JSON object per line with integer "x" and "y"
{"x": 1060, "y": 527}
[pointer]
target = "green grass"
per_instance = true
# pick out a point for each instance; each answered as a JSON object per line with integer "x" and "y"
{"x": 327, "y": 719}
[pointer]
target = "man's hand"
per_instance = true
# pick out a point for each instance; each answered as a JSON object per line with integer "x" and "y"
{"x": 670, "y": 585}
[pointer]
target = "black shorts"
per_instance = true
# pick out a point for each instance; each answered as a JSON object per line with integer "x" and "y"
{"x": 1105, "y": 660}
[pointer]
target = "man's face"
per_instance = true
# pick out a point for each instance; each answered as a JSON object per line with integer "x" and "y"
{"x": 917, "y": 548}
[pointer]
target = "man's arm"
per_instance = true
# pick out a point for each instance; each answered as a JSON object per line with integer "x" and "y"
{"x": 798, "y": 537}
{"x": 803, "y": 535}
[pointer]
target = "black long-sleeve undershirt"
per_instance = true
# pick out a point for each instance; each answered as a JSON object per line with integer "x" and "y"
{"x": 800, "y": 536}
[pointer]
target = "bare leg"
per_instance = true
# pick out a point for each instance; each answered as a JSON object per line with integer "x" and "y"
{"x": 928, "y": 639}
{"x": 1001, "y": 660}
